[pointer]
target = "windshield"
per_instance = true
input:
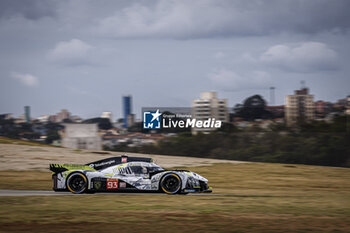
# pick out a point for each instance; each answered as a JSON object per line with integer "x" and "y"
{"x": 155, "y": 168}
{"x": 145, "y": 170}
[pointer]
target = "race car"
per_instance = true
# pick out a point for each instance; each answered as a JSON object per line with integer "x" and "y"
{"x": 123, "y": 174}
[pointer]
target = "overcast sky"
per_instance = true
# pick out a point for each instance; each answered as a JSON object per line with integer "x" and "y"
{"x": 83, "y": 55}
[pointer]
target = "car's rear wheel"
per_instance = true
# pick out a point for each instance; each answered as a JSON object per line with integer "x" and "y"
{"x": 77, "y": 183}
{"x": 171, "y": 183}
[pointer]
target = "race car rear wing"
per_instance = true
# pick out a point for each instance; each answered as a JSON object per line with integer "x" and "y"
{"x": 57, "y": 168}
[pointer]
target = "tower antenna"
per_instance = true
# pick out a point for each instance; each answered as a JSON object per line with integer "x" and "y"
{"x": 272, "y": 96}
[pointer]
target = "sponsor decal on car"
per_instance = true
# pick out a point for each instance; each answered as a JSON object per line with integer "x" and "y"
{"x": 97, "y": 184}
{"x": 102, "y": 163}
{"x": 190, "y": 190}
{"x": 122, "y": 185}
{"x": 124, "y": 159}
{"x": 112, "y": 183}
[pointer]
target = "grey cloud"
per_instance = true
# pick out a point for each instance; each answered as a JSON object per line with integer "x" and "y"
{"x": 197, "y": 19}
{"x": 33, "y": 9}
{"x": 301, "y": 57}
{"x": 26, "y": 79}
{"x": 183, "y": 19}
{"x": 73, "y": 52}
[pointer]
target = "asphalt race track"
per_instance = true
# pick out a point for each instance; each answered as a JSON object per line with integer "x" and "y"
{"x": 21, "y": 193}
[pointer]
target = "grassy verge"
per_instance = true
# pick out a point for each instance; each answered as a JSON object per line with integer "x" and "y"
{"x": 167, "y": 214}
{"x": 301, "y": 199}
{"x": 4, "y": 140}
{"x": 25, "y": 180}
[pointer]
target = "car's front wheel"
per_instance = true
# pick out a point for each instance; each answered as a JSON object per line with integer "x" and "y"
{"x": 171, "y": 183}
{"x": 77, "y": 183}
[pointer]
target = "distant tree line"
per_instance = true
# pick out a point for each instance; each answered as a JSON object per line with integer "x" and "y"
{"x": 316, "y": 143}
{"x": 253, "y": 108}
{"x": 31, "y": 131}
{"x": 102, "y": 123}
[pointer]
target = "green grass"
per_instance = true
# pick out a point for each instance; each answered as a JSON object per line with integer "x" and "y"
{"x": 300, "y": 199}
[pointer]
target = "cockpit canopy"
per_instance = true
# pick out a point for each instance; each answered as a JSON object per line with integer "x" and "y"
{"x": 145, "y": 169}
{"x": 135, "y": 168}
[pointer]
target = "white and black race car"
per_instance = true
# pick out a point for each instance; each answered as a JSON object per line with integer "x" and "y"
{"x": 125, "y": 174}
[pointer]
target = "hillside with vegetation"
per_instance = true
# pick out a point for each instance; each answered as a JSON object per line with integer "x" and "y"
{"x": 316, "y": 143}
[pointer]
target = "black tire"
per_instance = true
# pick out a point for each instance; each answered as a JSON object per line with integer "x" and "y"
{"x": 183, "y": 193}
{"x": 77, "y": 183}
{"x": 90, "y": 191}
{"x": 171, "y": 183}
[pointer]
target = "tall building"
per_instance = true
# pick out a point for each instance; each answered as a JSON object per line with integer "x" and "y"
{"x": 64, "y": 114}
{"x": 27, "y": 114}
{"x": 127, "y": 109}
{"x": 300, "y": 107}
{"x": 131, "y": 119}
{"x": 209, "y": 106}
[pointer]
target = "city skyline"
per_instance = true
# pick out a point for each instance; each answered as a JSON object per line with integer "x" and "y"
{"x": 139, "y": 112}
{"x": 84, "y": 55}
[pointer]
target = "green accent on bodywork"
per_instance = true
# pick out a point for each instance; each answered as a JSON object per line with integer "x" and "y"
{"x": 120, "y": 166}
{"x": 188, "y": 173}
{"x": 66, "y": 173}
{"x": 73, "y": 167}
